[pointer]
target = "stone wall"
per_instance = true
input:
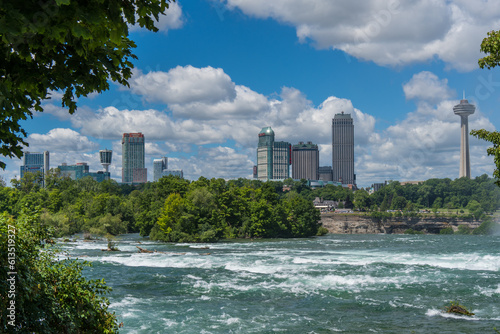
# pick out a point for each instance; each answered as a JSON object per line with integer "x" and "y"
{"x": 360, "y": 224}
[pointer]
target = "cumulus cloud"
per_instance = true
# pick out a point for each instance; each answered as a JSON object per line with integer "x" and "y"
{"x": 424, "y": 144}
{"x": 426, "y": 86}
{"x": 60, "y": 140}
{"x": 392, "y": 33}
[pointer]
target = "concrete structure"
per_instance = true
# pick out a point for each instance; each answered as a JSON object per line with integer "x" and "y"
{"x": 464, "y": 110}
{"x": 36, "y": 162}
{"x": 74, "y": 172}
{"x": 81, "y": 170}
{"x": 160, "y": 169}
{"x": 105, "y": 157}
{"x": 305, "y": 161}
{"x": 325, "y": 173}
{"x": 281, "y": 160}
{"x": 343, "y": 149}
{"x": 159, "y": 165}
{"x": 174, "y": 172}
{"x": 133, "y": 155}
{"x": 273, "y": 158}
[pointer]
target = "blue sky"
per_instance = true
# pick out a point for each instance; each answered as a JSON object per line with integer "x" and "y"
{"x": 219, "y": 71}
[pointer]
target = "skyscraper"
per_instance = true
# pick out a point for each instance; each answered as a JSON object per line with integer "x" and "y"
{"x": 464, "y": 110}
{"x": 273, "y": 157}
{"x": 158, "y": 166}
{"x": 265, "y": 154}
{"x": 343, "y": 149}
{"x": 133, "y": 154}
{"x": 35, "y": 162}
{"x": 305, "y": 161}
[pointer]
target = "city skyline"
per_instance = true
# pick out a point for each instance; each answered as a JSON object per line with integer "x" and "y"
{"x": 215, "y": 74}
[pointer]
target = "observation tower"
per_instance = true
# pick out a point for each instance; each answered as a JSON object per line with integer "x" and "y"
{"x": 464, "y": 110}
{"x": 105, "y": 156}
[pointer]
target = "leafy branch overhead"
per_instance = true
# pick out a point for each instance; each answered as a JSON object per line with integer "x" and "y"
{"x": 63, "y": 45}
{"x": 490, "y": 46}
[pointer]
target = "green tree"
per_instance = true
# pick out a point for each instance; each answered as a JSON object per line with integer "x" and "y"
{"x": 494, "y": 138}
{"x": 72, "y": 46}
{"x": 52, "y": 296}
{"x": 490, "y": 46}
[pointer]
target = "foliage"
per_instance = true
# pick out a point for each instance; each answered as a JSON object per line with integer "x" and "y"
{"x": 491, "y": 46}
{"x": 487, "y": 227}
{"x": 447, "y": 230}
{"x": 72, "y": 46}
{"x": 213, "y": 209}
{"x": 494, "y": 138}
{"x": 412, "y": 231}
{"x": 51, "y": 296}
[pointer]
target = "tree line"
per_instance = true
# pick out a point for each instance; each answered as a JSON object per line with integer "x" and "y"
{"x": 172, "y": 209}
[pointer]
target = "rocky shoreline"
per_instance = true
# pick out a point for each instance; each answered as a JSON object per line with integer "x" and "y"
{"x": 361, "y": 224}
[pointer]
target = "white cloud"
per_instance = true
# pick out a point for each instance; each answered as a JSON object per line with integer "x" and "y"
{"x": 426, "y": 86}
{"x": 60, "y": 140}
{"x": 184, "y": 84}
{"x": 424, "y": 144}
{"x": 173, "y": 19}
{"x": 393, "y": 33}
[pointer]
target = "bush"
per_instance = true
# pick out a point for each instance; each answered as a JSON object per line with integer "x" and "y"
{"x": 51, "y": 296}
{"x": 412, "y": 231}
{"x": 447, "y": 230}
{"x": 322, "y": 231}
{"x": 487, "y": 227}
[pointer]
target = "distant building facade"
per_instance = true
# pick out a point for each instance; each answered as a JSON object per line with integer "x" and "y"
{"x": 325, "y": 173}
{"x": 305, "y": 161}
{"x": 81, "y": 170}
{"x": 35, "y": 162}
{"x": 273, "y": 158}
{"x": 159, "y": 165}
{"x": 160, "y": 169}
{"x": 343, "y": 149}
{"x": 133, "y": 156}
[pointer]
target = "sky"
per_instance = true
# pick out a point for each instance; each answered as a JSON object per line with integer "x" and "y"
{"x": 218, "y": 71}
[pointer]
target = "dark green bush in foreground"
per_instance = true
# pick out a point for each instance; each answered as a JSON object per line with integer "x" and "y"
{"x": 50, "y": 296}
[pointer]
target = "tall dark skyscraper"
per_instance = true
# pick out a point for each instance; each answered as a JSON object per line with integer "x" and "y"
{"x": 133, "y": 154}
{"x": 305, "y": 161}
{"x": 343, "y": 149}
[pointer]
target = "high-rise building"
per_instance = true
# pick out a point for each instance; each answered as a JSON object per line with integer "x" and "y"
{"x": 160, "y": 169}
{"x": 74, "y": 172}
{"x": 133, "y": 156}
{"x": 464, "y": 110}
{"x": 81, "y": 170}
{"x": 159, "y": 165}
{"x": 305, "y": 161}
{"x": 343, "y": 149}
{"x": 265, "y": 154}
{"x": 35, "y": 162}
{"x": 273, "y": 158}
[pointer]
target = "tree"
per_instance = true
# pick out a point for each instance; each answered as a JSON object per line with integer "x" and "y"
{"x": 51, "y": 295}
{"x": 63, "y": 45}
{"x": 490, "y": 46}
{"x": 494, "y": 138}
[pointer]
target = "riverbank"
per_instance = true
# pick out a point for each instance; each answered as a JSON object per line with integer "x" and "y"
{"x": 364, "y": 224}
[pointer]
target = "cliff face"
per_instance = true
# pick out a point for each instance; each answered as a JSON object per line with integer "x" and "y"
{"x": 358, "y": 224}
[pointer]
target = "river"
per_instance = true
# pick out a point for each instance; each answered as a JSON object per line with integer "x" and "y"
{"x": 330, "y": 284}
